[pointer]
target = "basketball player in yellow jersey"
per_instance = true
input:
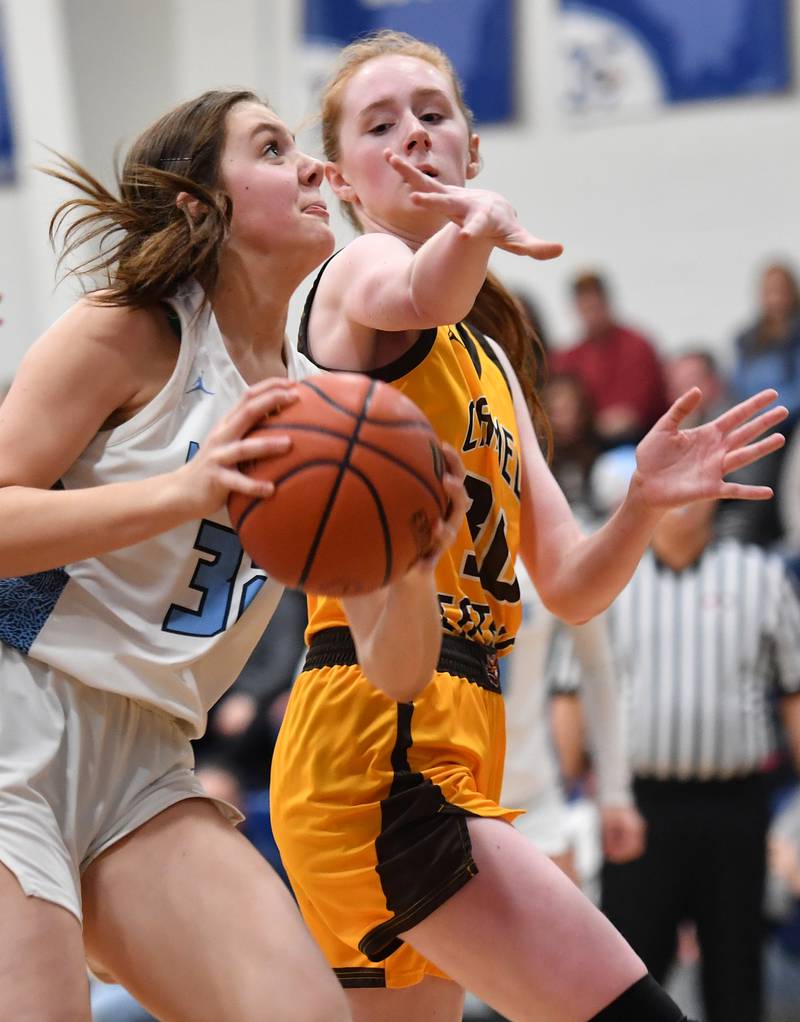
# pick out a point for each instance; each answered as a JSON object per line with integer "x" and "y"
{"x": 386, "y": 813}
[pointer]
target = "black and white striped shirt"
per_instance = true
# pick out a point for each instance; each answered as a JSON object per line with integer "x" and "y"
{"x": 700, "y": 653}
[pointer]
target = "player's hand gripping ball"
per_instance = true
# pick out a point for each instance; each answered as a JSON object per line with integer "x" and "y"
{"x": 356, "y": 497}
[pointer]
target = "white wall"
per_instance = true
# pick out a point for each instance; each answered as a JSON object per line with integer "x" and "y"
{"x": 680, "y": 209}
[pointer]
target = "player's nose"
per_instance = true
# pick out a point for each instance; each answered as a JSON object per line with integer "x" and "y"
{"x": 417, "y": 136}
{"x": 310, "y": 170}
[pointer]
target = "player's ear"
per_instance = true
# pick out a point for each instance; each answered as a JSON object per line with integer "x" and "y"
{"x": 339, "y": 183}
{"x": 193, "y": 208}
{"x": 474, "y": 157}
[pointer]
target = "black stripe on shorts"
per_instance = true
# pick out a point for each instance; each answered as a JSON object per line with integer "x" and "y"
{"x": 361, "y": 977}
{"x": 423, "y": 849}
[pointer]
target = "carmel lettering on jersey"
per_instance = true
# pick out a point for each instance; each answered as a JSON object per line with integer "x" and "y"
{"x": 486, "y": 430}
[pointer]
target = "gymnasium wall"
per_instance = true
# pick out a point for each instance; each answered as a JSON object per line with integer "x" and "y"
{"x": 680, "y": 209}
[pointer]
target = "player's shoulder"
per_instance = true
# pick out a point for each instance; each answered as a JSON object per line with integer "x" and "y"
{"x": 91, "y": 321}
{"x": 365, "y": 254}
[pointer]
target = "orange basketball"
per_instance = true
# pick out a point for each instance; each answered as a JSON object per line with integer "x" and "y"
{"x": 357, "y": 495}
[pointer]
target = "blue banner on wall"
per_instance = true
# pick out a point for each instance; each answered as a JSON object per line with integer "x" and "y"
{"x": 624, "y": 53}
{"x": 477, "y": 35}
{"x": 6, "y": 134}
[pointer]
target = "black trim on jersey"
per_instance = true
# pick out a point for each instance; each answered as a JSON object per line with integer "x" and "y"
{"x": 423, "y": 849}
{"x": 460, "y": 657}
{"x": 394, "y": 370}
{"x": 302, "y": 333}
{"x": 361, "y": 977}
{"x": 465, "y": 337}
{"x": 490, "y": 353}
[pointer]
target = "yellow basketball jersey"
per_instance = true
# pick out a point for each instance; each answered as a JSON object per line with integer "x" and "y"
{"x": 454, "y": 376}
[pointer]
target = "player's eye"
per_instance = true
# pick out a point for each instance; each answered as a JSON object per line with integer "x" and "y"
{"x": 432, "y": 117}
{"x": 379, "y": 129}
{"x": 271, "y": 149}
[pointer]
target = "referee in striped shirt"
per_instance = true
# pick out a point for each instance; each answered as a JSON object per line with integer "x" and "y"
{"x": 706, "y": 636}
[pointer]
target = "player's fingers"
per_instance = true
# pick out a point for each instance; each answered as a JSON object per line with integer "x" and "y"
{"x": 453, "y": 206}
{"x": 254, "y": 448}
{"x": 452, "y": 462}
{"x": 536, "y": 248}
{"x": 738, "y": 491}
{"x": 411, "y": 174}
{"x": 760, "y": 424}
{"x": 752, "y": 452}
{"x": 745, "y": 409}
{"x": 255, "y": 406}
{"x": 238, "y": 482}
{"x": 478, "y": 224}
{"x": 678, "y": 411}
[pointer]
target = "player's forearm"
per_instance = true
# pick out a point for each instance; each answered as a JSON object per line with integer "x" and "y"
{"x": 446, "y": 274}
{"x": 589, "y": 572}
{"x": 398, "y": 634}
{"x": 43, "y": 529}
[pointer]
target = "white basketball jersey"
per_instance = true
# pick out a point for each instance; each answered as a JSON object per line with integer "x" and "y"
{"x": 170, "y": 621}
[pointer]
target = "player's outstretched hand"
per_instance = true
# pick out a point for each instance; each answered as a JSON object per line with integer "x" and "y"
{"x": 214, "y": 471}
{"x": 479, "y": 214}
{"x": 677, "y": 466}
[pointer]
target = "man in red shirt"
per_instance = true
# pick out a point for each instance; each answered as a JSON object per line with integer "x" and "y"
{"x": 618, "y": 367}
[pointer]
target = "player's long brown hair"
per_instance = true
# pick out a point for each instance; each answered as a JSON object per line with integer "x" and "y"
{"x": 495, "y": 312}
{"x": 145, "y": 246}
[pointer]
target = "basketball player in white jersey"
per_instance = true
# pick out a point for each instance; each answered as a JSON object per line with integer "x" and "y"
{"x": 126, "y": 603}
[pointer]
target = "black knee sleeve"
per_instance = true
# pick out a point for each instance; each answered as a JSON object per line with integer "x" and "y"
{"x": 645, "y": 1001}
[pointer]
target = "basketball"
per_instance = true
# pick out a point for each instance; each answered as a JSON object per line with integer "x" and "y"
{"x": 356, "y": 497}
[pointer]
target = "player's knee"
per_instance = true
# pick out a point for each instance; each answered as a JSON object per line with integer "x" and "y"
{"x": 645, "y": 1001}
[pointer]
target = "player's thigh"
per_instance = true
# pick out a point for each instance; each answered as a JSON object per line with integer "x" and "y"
{"x": 434, "y": 1000}
{"x": 190, "y": 918}
{"x": 522, "y": 936}
{"x": 42, "y": 968}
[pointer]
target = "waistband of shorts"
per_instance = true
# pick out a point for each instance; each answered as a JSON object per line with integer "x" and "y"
{"x": 474, "y": 661}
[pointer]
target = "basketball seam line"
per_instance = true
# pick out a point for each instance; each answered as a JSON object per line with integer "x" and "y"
{"x": 382, "y": 452}
{"x": 335, "y": 489}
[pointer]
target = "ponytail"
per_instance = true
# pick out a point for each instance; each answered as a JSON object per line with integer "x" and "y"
{"x": 500, "y": 316}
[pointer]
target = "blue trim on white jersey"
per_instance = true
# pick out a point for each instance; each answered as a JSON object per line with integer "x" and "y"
{"x": 26, "y": 602}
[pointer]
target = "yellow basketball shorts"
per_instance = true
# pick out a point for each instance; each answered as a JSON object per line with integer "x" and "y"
{"x": 370, "y": 800}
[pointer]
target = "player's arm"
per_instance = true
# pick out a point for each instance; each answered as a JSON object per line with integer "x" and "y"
{"x": 398, "y": 630}
{"x": 72, "y": 381}
{"x": 381, "y": 283}
{"x": 578, "y": 576}
{"x": 398, "y": 634}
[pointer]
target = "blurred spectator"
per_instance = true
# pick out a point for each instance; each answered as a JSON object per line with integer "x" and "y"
{"x": 700, "y": 636}
{"x": 241, "y": 732}
{"x": 787, "y": 494}
{"x": 575, "y": 442}
{"x": 768, "y": 351}
{"x": 783, "y": 948}
{"x": 696, "y": 367}
{"x": 768, "y": 355}
{"x": 619, "y": 367}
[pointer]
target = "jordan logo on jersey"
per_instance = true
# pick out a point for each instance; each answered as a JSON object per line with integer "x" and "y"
{"x": 198, "y": 385}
